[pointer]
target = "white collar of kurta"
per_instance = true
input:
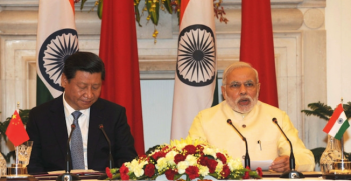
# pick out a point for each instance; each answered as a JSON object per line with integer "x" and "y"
{"x": 69, "y": 110}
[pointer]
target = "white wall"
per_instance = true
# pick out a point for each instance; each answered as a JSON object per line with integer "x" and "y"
{"x": 338, "y": 26}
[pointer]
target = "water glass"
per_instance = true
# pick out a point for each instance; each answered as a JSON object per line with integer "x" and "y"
{"x": 23, "y": 152}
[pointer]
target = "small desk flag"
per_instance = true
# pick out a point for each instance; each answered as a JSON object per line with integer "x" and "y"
{"x": 337, "y": 124}
{"x": 15, "y": 131}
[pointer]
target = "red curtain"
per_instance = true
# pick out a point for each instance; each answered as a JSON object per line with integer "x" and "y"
{"x": 257, "y": 46}
{"x": 119, "y": 51}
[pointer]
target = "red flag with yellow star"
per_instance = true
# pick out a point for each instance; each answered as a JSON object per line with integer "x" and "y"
{"x": 16, "y": 132}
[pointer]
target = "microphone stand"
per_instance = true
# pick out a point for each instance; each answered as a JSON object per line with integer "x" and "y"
{"x": 247, "y": 157}
{"x": 104, "y": 176}
{"x": 68, "y": 176}
{"x": 293, "y": 174}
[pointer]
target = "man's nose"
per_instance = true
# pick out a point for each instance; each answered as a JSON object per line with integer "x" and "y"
{"x": 242, "y": 89}
{"x": 89, "y": 93}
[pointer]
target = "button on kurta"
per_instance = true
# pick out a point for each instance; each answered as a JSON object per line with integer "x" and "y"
{"x": 244, "y": 126}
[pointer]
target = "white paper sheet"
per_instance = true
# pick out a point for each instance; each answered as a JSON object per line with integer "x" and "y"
{"x": 264, "y": 164}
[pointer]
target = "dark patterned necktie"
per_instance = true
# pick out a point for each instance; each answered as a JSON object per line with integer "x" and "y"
{"x": 77, "y": 144}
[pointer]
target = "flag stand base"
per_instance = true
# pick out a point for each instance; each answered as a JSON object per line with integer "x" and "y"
{"x": 342, "y": 170}
{"x": 19, "y": 178}
{"x": 17, "y": 172}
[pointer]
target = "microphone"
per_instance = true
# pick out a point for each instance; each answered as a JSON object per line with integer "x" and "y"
{"x": 68, "y": 176}
{"x": 247, "y": 157}
{"x": 104, "y": 176}
{"x": 292, "y": 173}
{"x": 109, "y": 145}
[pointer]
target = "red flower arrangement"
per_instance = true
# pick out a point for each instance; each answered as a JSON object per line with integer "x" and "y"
{"x": 190, "y": 158}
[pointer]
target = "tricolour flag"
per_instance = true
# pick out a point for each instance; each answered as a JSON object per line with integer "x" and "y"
{"x": 195, "y": 77}
{"x": 256, "y": 46}
{"x": 57, "y": 38}
{"x": 119, "y": 51}
{"x": 15, "y": 131}
{"x": 337, "y": 123}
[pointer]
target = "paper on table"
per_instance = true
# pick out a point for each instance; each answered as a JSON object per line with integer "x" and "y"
{"x": 264, "y": 164}
{"x": 72, "y": 171}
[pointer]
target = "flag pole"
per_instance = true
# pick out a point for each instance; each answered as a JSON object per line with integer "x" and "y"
{"x": 17, "y": 161}
{"x": 342, "y": 138}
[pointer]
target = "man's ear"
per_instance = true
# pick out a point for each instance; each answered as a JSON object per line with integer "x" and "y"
{"x": 64, "y": 80}
{"x": 223, "y": 91}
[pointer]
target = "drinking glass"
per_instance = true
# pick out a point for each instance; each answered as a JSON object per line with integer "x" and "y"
{"x": 23, "y": 152}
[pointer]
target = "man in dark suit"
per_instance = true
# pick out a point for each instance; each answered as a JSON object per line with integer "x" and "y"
{"x": 49, "y": 124}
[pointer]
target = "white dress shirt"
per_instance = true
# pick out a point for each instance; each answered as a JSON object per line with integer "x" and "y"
{"x": 83, "y": 122}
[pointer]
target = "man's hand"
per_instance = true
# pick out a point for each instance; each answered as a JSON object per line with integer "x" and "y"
{"x": 280, "y": 164}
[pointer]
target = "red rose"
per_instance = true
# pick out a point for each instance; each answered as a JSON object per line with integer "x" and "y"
{"x": 199, "y": 148}
{"x": 190, "y": 149}
{"x": 149, "y": 170}
{"x": 211, "y": 164}
{"x": 178, "y": 158}
{"x": 247, "y": 176}
{"x": 221, "y": 157}
{"x": 170, "y": 174}
{"x": 203, "y": 161}
{"x": 158, "y": 155}
{"x": 124, "y": 172}
{"x": 192, "y": 172}
{"x": 225, "y": 172}
{"x": 108, "y": 172}
{"x": 259, "y": 171}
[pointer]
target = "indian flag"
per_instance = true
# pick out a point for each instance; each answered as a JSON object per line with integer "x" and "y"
{"x": 196, "y": 68}
{"x": 57, "y": 39}
{"x": 337, "y": 124}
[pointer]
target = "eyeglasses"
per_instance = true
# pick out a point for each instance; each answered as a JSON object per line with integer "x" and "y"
{"x": 237, "y": 85}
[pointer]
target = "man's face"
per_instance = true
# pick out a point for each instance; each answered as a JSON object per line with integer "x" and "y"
{"x": 241, "y": 89}
{"x": 82, "y": 90}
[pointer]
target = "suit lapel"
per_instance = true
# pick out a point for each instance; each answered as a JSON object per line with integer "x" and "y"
{"x": 94, "y": 131}
{"x": 58, "y": 123}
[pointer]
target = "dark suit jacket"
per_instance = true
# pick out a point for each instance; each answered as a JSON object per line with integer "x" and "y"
{"x": 47, "y": 128}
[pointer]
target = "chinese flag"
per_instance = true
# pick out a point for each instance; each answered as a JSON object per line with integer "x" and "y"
{"x": 256, "y": 46}
{"x": 15, "y": 131}
{"x": 119, "y": 51}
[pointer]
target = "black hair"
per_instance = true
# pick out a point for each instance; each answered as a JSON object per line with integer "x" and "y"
{"x": 83, "y": 61}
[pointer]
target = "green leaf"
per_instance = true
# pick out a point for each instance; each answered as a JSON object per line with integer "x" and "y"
{"x": 320, "y": 110}
{"x": 168, "y": 6}
{"x": 99, "y": 9}
{"x": 178, "y": 12}
{"x": 116, "y": 176}
{"x": 347, "y": 109}
{"x": 137, "y": 13}
{"x": 153, "y": 11}
{"x": 82, "y": 4}
{"x": 9, "y": 155}
{"x": 317, "y": 153}
{"x": 177, "y": 176}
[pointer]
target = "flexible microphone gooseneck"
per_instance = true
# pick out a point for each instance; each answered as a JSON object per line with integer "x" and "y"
{"x": 67, "y": 176}
{"x": 247, "y": 157}
{"x": 104, "y": 176}
{"x": 109, "y": 145}
{"x": 292, "y": 173}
